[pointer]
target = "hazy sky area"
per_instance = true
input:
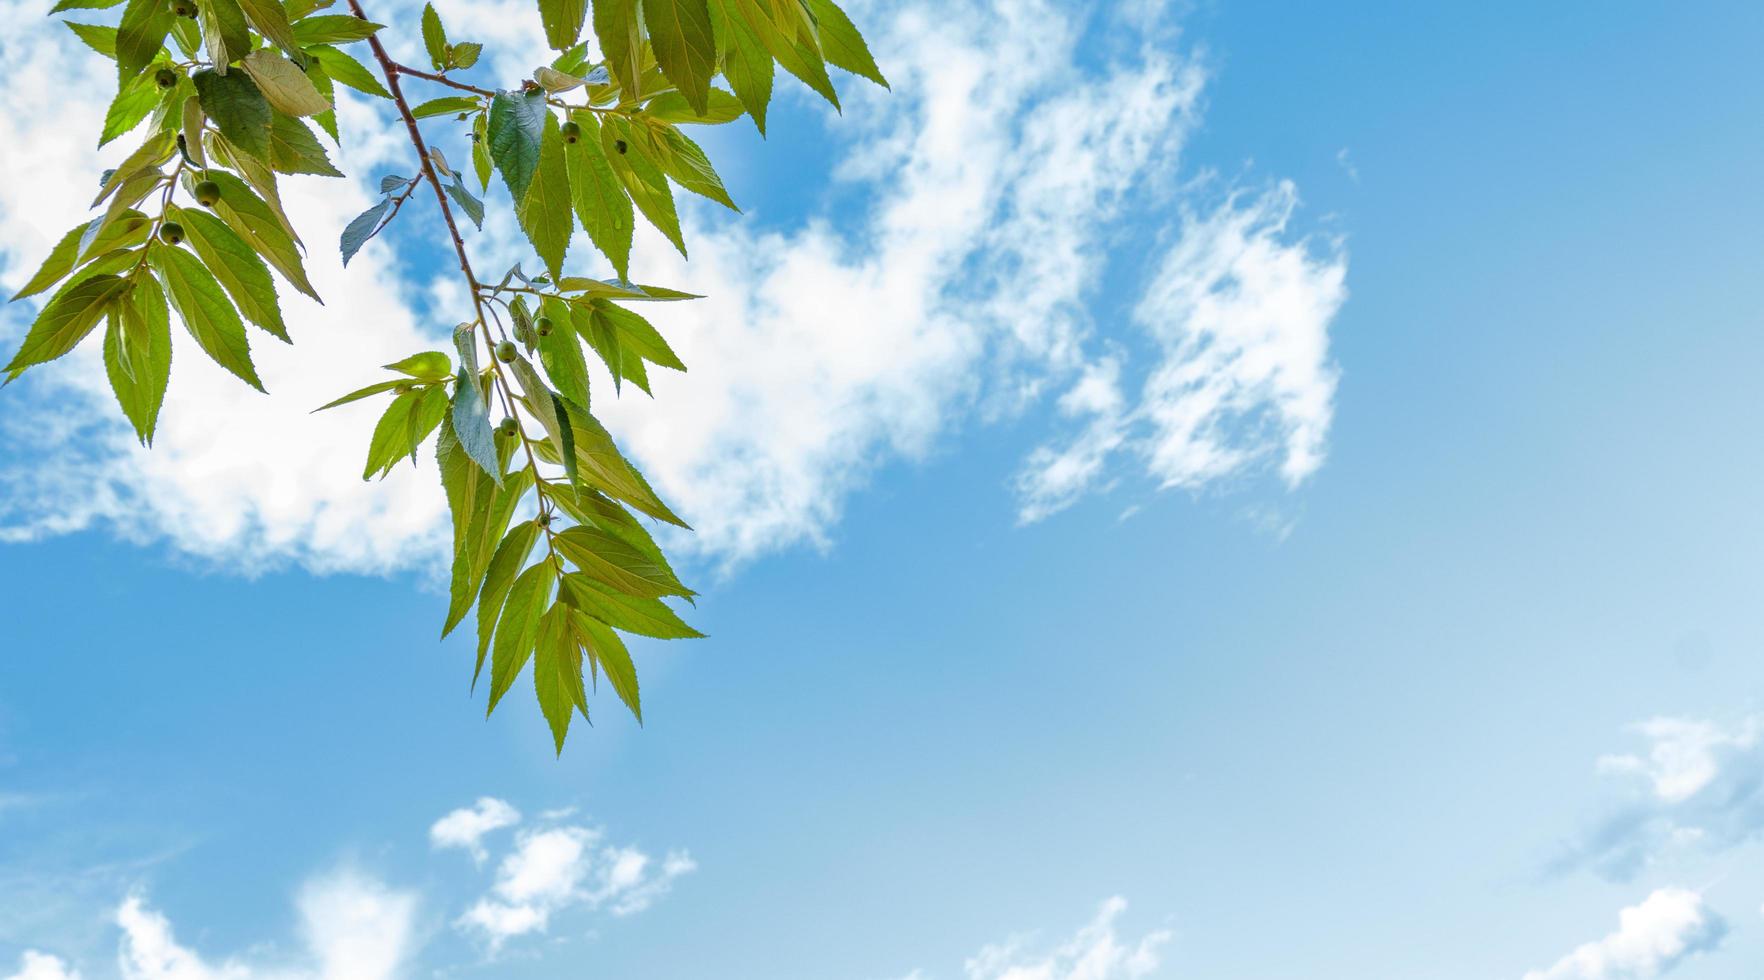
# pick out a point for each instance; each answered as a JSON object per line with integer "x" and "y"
{"x": 1224, "y": 490}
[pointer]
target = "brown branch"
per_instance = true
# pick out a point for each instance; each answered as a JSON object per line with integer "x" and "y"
{"x": 391, "y": 69}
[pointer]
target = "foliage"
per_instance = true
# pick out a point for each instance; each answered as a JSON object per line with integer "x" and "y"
{"x": 228, "y": 93}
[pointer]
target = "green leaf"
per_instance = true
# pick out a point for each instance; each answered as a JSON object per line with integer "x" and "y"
{"x": 447, "y": 105}
{"x": 643, "y": 178}
{"x": 388, "y": 445}
{"x": 134, "y": 100}
{"x": 599, "y": 198}
{"x": 605, "y": 647}
{"x": 347, "y": 70}
{"x": 124, "y": 231}
{"x": 271, "y": 20}
{"x": 517, "y": 125}
{"x": 545, "y": 210}
{"x": 283, "y": 84}
{"x": 604, "y": 467}
{"x": 137, "y": 355}
{"x": 557, "y": 673}
{"x": 481, "y": 150}
{"x": 518, "y": 628}
{"x": 203, "y": 307}
{"x": 62, "y": 5}
{"x": 237, "y": 108}
{"x": 609, "y": 559}
{"x": 140, "y": 35}
{"x": 561, "y": 355}
{"x": 510, "y": 556}
{"x": 333, "y": 29}
{"x": 617, "y": 28}
{"x": 791, "y": 51}
{"x": 327, "y": 120}
{"x": 841, "y": 42}
{"x": 686, "y": 163}
{"x": 363, "y": 227}
{"x": 371, "y": 390}
{"x": 645, "y": 617}
{"x": 672, "y": 107}
{"x": 685, "y": 46}
{"x": 430, "y": 365}
{"x": 261, "y": 228}
{"x": 144, "y": 162}
{"x": 563, "y": 21}
{"x": 473, "y": 208}
{"x": 464, "y": 54}
{"x": 471, "y": 419}
{"x": 98, "y": 37}
{"x": 243, "y": 275}
{"x": 434, "y": 37}
{"x": 746, "y": 62}
{"x": 224, "y": 31}
{"x": 637, "y": 334}
{"x": 67, "y": 319}
{"x": 295, "y": 150}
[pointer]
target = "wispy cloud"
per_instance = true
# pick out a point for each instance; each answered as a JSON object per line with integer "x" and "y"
{"x": 465, "y": 827}
{"x": 1668, "y": 927}
{"x": 33, "y": 965}
{"x": 1097, "y": 951}
{"x": 1697, "y": 786}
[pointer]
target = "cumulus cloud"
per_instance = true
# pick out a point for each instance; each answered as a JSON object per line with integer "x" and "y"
{"x": 353, "y": 927}
{"x": 1668, "y": 927}
{"x": 465, "y": 827}
{"x": 959, "y": 277}
{"x": 33, "y": 965}
{"x": 1697, "y": 786}
{"x": 550, "y": 869}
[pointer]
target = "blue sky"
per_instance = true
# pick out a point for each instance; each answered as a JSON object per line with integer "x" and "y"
{"x": 1245, "y": 490}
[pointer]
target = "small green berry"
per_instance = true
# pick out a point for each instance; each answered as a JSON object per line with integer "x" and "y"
{"x": 208, "y": 193}
{"x": 571, "y": 132}
{"x": 184, "y": 8}
{"x": 165, "y": 78}
{"x": 620, "y": 146}
{"x": 505, "y": 352}
{"x": 171, "y": 232}
{"x": 543, "y": 326}
{"x": 508, "y": 428}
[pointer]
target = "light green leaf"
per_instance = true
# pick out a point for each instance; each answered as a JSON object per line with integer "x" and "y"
{"x": 685, "y": 46}
{"x": 140, "y": 35}
{"x": 224, "y": 31}
{"x": 203, "y": 307}
{"x": 261, "y": 228}
{"x": 98, "y": 37}
{"x": 617, "y": 27}
{"x": 137, "y": 355}
{"x": 672, "y": 107}
{"x": 557, "y": 673}
{"x": 611, "y": 560}
{"x": 511, "y": 556}
{"x": 134, "y": 100}
{"x": 283, "y": 84}
{"x": 563, "y": 21}
{"x": 545, "y": 210}
{"x": 243, "y": 275}
{"x": 358, "y": 394}
{"x": 606, "y": 648}
{"x": 599, "y": 198}
{"x": 67, "y": 319}
{"x": 518, "y": 628}
{"x": 447, "y": 105}
{"x": 645, "y": 617}
{"x": 841, "y": 42}
{"x": 295, "y": 150}
{"x": 333, "y": 29}
{"x": 746, "y": 62}
{"x": 124, "y": 231}
{"x": 471, "y": 419}
{"x": 605, "y": 468}
{"x": 431, "y": 365}
{"x": 271, "y": 20}
{"x": 434, "y": 37}
{"x": 561, "y": 354}
{"x": 635, "y": 165}
{"x": 686, "y": 163}
{"x": 388, "y": 444}
{"x": 347, "y": 70}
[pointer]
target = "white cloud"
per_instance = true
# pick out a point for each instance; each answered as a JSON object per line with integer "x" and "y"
{"x": 353, "y": 928}
{"x": 1240, "y": 317}
{"x": 1699, "y": 785}
{"x": 1669, "y": 926}
{"x": 33, "y": 965}
{"x": 1097, "y": 951}
{"x": 555, "y": 868}
{"x": 984, "y": 199}
{"x": 465, "y": 828}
